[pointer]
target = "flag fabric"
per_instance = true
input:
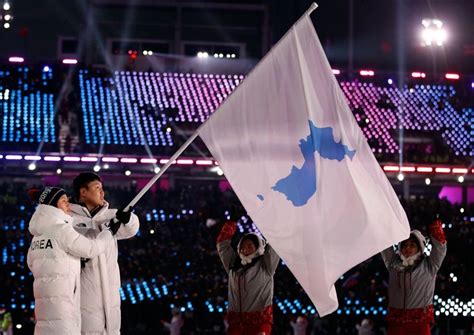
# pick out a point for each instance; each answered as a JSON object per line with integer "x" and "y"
{"x": 294, "y": 155}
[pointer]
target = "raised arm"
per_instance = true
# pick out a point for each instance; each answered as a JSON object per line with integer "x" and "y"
{"x": 226, "y": 253}
{"x": 80, "y": 246}
{"x": 388, "y": 256}
{"x": 270, "y": 259}
{"x": 130, "y": 229}
{"x": 438, "y": 239}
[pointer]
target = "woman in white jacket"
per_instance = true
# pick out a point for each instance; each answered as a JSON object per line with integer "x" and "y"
{"x": 54, "y": 260}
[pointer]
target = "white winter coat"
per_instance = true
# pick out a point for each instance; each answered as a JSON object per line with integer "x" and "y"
{"x": 54, "y": 260}
{"x": 100, "y": 278}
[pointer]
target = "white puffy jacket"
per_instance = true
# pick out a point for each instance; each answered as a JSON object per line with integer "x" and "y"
{"x": 54, "y": 259}
{"x": 100, "y": 278}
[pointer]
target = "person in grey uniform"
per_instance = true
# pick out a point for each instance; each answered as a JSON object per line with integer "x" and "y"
{"x": 412, "y": 277}
{"x": 250, "y": 269}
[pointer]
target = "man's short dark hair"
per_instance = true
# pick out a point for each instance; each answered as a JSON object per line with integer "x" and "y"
{"x": 82, "y": 181}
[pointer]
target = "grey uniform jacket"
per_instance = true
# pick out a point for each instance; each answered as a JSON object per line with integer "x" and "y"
{"x": 251, "y": 289}
{"x": 413, "y": 287}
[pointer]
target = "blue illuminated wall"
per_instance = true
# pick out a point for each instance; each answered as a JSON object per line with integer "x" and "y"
{"x": 26, "y": 106}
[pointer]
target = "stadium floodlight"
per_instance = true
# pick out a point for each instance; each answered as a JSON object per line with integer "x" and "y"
{"x": 69, "y": 61}
{"x": 367, "y": 73}
{"x": 433, "y": 33}
{"x": 418, "y": 75}
{"x": 16, "y": 59}
{"x": 202, "y": 54}
{"x": 452, "y": 76}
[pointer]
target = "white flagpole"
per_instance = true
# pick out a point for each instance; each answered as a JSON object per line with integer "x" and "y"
{"x": 196, "y": 133}
{"x": 164, "y": 167}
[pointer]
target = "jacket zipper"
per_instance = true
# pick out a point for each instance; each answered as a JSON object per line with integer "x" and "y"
{"x": 404, "y": 290}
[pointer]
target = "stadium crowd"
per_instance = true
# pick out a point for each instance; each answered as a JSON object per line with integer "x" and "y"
{"x": 176, "y": 249}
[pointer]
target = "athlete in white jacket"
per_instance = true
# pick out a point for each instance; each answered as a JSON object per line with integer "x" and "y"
{"x": 100, "y": 277}
{"x": 54, "y": 260}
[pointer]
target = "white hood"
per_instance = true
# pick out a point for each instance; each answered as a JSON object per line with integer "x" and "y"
{"x": 44, "y": 217}
{"x": 419, "y": 237}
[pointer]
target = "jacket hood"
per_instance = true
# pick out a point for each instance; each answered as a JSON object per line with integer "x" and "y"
{"x": 419, "y": 237}
{"x": 44, "y": 217}
{"x": 259, "y": 252}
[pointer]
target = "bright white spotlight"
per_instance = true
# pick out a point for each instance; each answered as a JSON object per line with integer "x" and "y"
{"x": 145, "y": 52}
{"x": 400, "y": 177}
{"x": 7, "y": 17}
{"x": 6, "y": 6}
{"x": 96, "y": 168}
{"x": 6, "y": 25}
{"x": 461, "y": 179}
{"x": 128, "y": 173}
{"x": 32, "y": 167}
{"x": 427, "y": 181}
{"x": 106, "y": 166}
{"x": 433, "y": 32}
{"x": 59, "y": 171}
{"x": 217, "y": 170}
{"x": 156, "y": 170}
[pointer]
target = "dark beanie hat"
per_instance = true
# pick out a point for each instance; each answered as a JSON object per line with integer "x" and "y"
{"x": 82, "y": 180}
{"x": 46, "y": 196}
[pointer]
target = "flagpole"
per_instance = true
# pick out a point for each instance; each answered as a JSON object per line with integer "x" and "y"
{"x": 196, "y": 133}
{"x": 164, "y": 167}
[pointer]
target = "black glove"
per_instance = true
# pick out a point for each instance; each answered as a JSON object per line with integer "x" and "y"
{"x": 84, "y": 261}
{"x": 114, "y": 226}
{"x": 123, "y": 216}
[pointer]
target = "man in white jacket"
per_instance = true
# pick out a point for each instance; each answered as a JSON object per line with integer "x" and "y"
{"x": 100, "y": 277}
{"x": 54, "y": 260}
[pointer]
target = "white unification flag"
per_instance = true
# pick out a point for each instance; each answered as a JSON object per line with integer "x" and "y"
{"x": 299, "y": 163}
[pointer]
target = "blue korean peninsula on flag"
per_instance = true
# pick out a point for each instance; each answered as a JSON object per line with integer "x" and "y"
{"x": 299, "y": 163}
